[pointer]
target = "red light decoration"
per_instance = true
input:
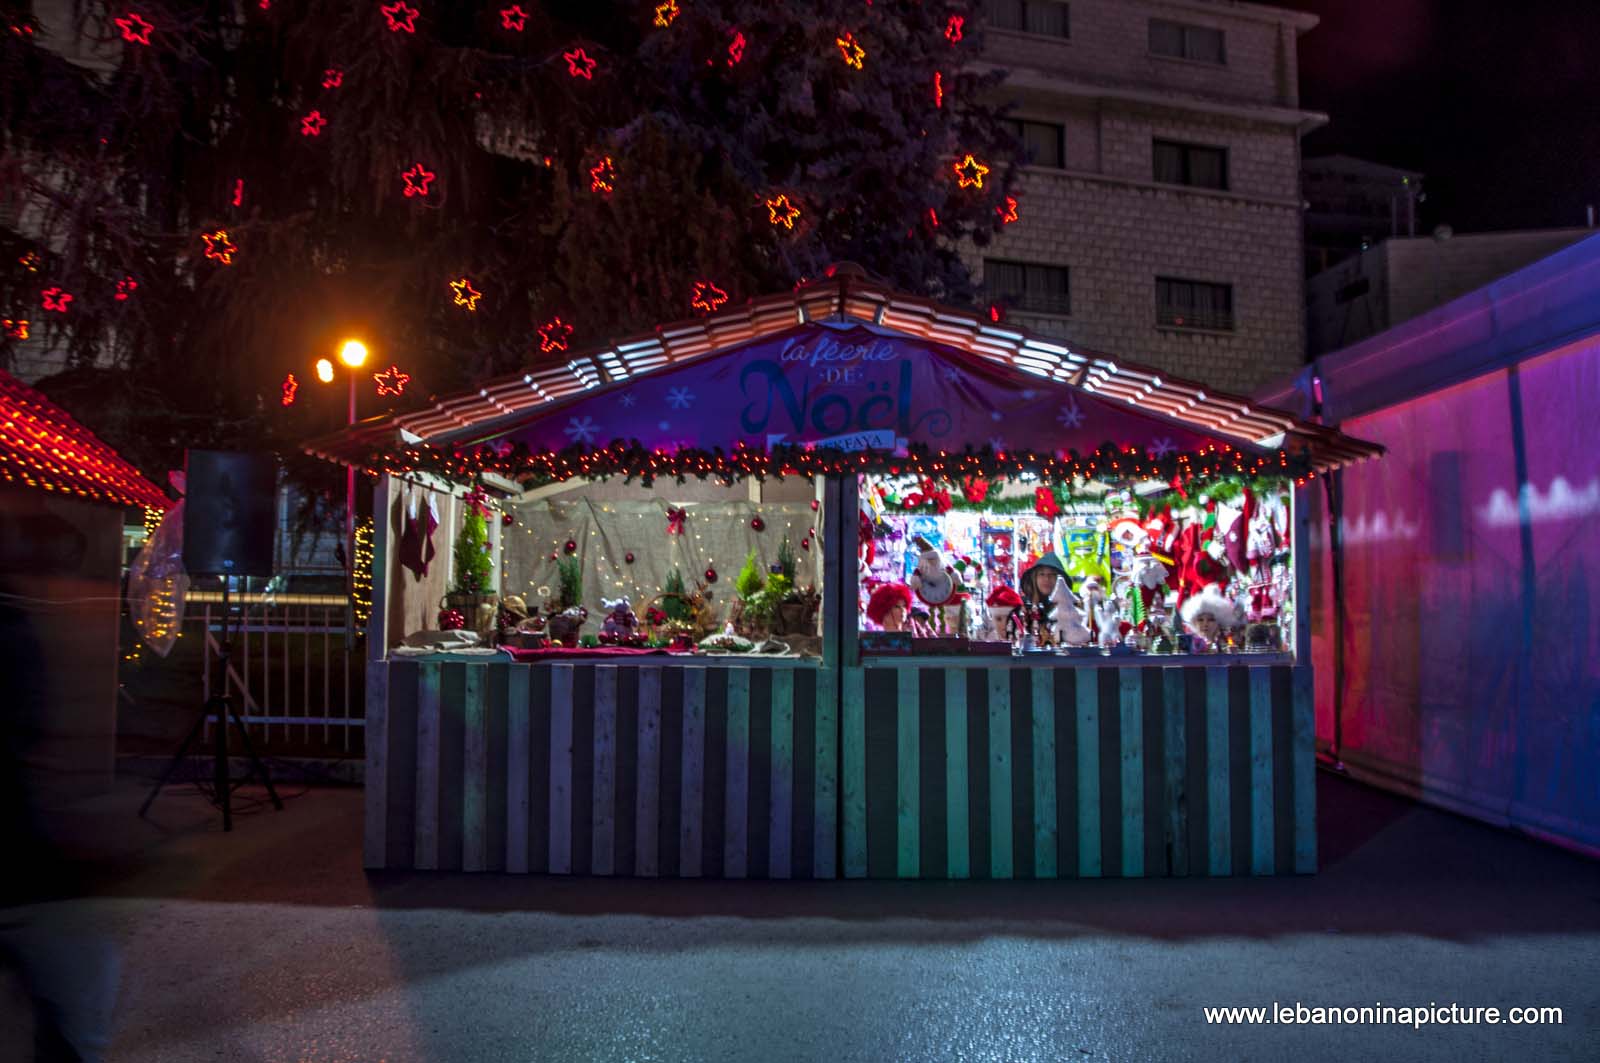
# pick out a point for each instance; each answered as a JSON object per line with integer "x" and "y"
{"x": 135, "y": 29}
{"x": 290, "y": 386}
{"x": 736, "y": 49}
{"x": 854, "y": 55}
{"x": 995, "y": 313}
{"x": 1008, "y": 212}
{"x": 391, "y": 381}
{"x": 602, "y": 177}
{"x": 665, "y": 13}
{"x": 938, "y": 89}
{"x": 417, "y": 179}
{"x": 933, "y": 217}
{"x": 219, "y": 248}
{"x": 30, "y": 261}
{"x": 466, "y": 294}
{"x": 332, "y": 78}
{"x": 706, "y": 296}
{"x": 953, "y": 28}
{"x": 238, "y": 192}
{"x": 16, "y": 327}
{"x": 55, "y": 299}
{"x": 969, "y": 172}
{"x": 513, "y": 18}
{"x": 782, "y": 212}
{"x": 579, "y": 64}
{"x": 312, "y": 124}
{"x": 125, "y": 287}
{"x": 554, "y": 334}
{"x": 402, "y": 17}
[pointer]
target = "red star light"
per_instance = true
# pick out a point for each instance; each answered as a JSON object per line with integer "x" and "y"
{"x": 952, "y": 29}
{"x": 938, "y": 89}
{"x": 579, "y": 64}
{"x": 55, "y": 299}
{"x": 16, "y": 328}
{"x": 553, "y": 335}
{"x": 135, "y": 30}
{"x": 401, "y": 16}
{"x": 466, "y": 294}
{"x": 219, "y": 247}
{"x": 969, "y": 172}
{"x": 30, "y": 261}
{"x": 602, "y": 177}
{"x": 736, "y": 48}
{"x": 332, "y": 78}
{"x": 417, "y": 180}
{"x": 238, "y": 192}
{"x": 311, "y": 125}
{"x": 781, "y": 212}
{"x": 994, "y": 313}
{"x": 933, "y": 217}
{"x": 706, "y": 296}
{"x": 666, "y": 12}
{"x": 854, "y": 54}
{"x": 125, "y": 287}
{"x": 290, "y": 386}
{"x": 1008, "y": 213}
{"x": 391, "y": 381}
{"x": 513, "y": 18}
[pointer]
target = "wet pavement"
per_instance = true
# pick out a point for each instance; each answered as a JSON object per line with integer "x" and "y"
{"x": 271, "y": 944}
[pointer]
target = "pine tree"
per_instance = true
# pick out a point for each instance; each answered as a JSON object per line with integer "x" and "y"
{"x": 289, "y": 127}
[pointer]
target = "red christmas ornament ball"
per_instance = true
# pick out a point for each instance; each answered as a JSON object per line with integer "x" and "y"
{"x": 552, "y": 555}
{"x": 628, "y": 557}
{"x": 711, "y": 575}
{"x": 813, "y": 505}
{"x": 757, "y": 524}
{"x": 571, "y": 547}
{"x": 451, "y": 620}
{"x": 805, "y": 544}
{"x": 507, "y": 519}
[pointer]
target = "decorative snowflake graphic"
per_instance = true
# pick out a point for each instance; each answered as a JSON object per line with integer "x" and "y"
{"x": 680, "y": 398}
{"x": 1070, "y": 416}
{"x": 628, "y": 398}
{"x": 1161, "y": 448}
{"x": 582, "y": 429}
{"x": 952, "y": 375}
{"x": 995, "y": 415}
{"x": 663, "y": 425}
{"x": 997, "y": 444}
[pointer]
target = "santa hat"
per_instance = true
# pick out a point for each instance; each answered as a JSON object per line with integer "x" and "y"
{"x": 1003, "y": 597}
{"x": 885, "y": 598}
{"x": 1223, "y": 610}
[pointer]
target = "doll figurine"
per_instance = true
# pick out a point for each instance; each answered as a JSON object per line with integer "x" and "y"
{"x": 1210, "y": 617}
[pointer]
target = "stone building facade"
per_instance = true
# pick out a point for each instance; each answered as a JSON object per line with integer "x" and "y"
{"x": 1160, "y": 218}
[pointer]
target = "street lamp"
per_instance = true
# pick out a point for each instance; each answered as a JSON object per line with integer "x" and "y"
{"x": 353, "y": 355}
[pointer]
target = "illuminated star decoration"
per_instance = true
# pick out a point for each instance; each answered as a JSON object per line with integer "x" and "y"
{"x": 125, "y": 287}
{"x": 666, "y": 12}
{"x": 736, "y": 48}
{"x": 781, "y": 212}
{"x": 513, "y": 18}
{"x": 938, "y": 89}
{"x": 219, "y": 247}
{"x": 55, "y": 299}
{"x": 466, "y": 294}
{"x": 391, "y": 381}
{"x": 332, "y": 78}
{"x": 135, "y": 30}
{"x": 579, "y": 64}
{"x": 952, "y": 29}
{"x": 854, "y": 55}
{"x": 17, "y": 328}
{"x": 311, "y": 125}
{"x": 1008, "y": 212}
{"x": 553, "y": 335}
{"x": 290, "y": 386}
{"x": 417, "y": 180}
{"x": 969, "y": 172}
{"x": 401, "y": 16}
{"x": 238, "y": 192}
{"x": 602, "y": 177}
{"x": 30, "y": 261}
{"x": 707, "y": 296}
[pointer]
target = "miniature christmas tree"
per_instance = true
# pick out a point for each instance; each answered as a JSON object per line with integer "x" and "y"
{"x": 569, "y": 577}
{"x": 749, "y": 581}
{"x": 675, "y": 598}
{"x": 473, "y": 565}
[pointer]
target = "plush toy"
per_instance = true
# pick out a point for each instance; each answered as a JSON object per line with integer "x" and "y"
{"x": 1209, "y": 616}
{"x": 1109, "y": 623}
{"x": 937, "y": 586}
{"x": 1088, "y": 554}
{"x": 1146, "y": 585}
{"x": 620, "y": 624}
{"x": 1001, "y": 623}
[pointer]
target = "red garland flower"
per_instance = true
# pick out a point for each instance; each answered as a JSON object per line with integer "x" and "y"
{"x": 1044, "y": 502}
{"x": 974, "y": 489}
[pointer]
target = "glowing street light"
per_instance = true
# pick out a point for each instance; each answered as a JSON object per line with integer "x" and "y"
{"x": 324, "y": 370}
{"x": 353, "y": 354}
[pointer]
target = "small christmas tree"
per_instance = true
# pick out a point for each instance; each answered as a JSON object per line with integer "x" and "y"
{"x": 675, "y": 598}
{"x": 473, "y": 564}
{"x": 569, "y": 577}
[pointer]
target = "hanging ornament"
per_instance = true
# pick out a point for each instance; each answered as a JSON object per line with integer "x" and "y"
{"x": 56, "y": 299}
{"x": 451, "y": 620}
{"x": 466, "y": 295}
{"x": 782, "y": 212}
{"x": 706, "y": 296}
{"x": 814, "y": 505}
{"x": 854, "y": 55}
{"x": 736, "y": 48}
{"x": 135, "y": 29}
{"x": 125, "y": 287}
{"x": 1044, "y": 502}
{"x": 16, "y": 328}
{"x": 312, "y": 124}
{"x": 805, "y": 544}
{"x": 602, "y": 177}
{"x": 969, "y": 172}
{"x": 553, "y": 555}
{"x": 392, "y": 381}
{"x": 507, "y": 520}
{"x": 628, "y": 557}
{"x": 553, "y": 335}
{"x": 953, "y": 28}
{"x": 665, "y": 13}
{"x": 580, "y": 64}
{"x": 757, "y": 524}
{"x": 676, "y": 515}
{"x": 513, "y": 18}
{"x": 570, "y": 546}
{"x": 290, "y": 386}
{"x": 332, "y": 78}
{"x": 711, "y": 574}
{"x": 1008, "y": 212}
{"x": 401, "y": 17}
{"x": 417, "y": 179}
{"x": 218, "y": 247}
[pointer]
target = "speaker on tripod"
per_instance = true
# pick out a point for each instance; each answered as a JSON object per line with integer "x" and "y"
{"x": 227, "y": 532}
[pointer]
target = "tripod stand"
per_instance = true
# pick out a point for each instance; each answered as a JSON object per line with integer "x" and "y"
{"x": 219, "y": 705}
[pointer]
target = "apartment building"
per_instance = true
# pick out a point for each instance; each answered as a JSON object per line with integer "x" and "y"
{"x": 1160, "y": 215}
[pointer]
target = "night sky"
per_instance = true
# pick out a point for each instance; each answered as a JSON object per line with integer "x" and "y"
{"x": 1496, "y": 102}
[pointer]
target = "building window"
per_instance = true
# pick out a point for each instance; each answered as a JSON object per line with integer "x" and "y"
{"x": 1027, "y": 286}
{"x": 1190, "y": 164}
{"x": 1193, "y": 304}
{"x": 1179, "y": 40}
{"x": 1043, "y": 143}
{"x": 1047, "y": 18}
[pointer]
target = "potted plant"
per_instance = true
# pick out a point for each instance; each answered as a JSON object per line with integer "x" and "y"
{"x": 568, "y": 614}
{"x": 757, "y": 605}
{"x": 472, "y": 592}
